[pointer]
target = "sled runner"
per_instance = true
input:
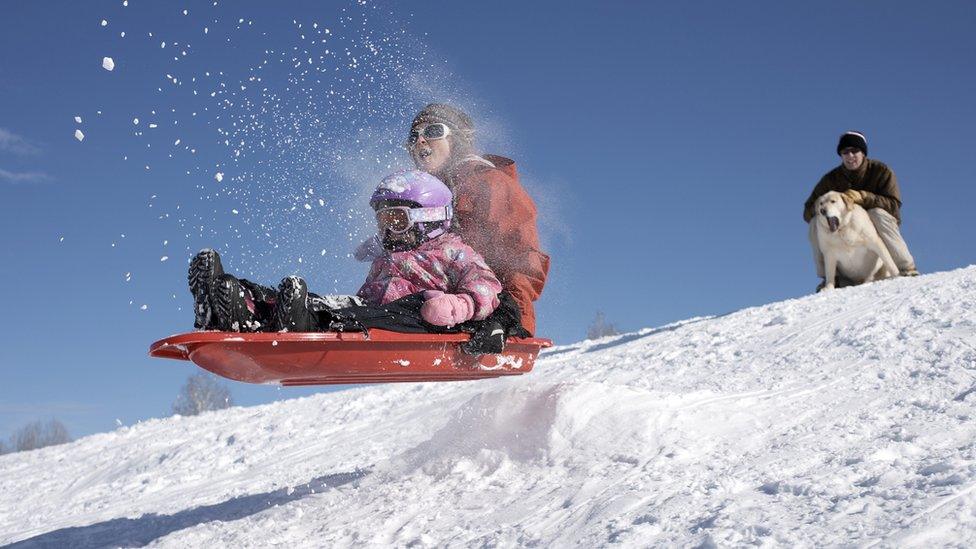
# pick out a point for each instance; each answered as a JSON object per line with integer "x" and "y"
{"x": 330, "y": 358}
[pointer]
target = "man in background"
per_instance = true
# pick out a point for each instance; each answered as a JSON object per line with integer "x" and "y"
{"x": 871, "y": 184}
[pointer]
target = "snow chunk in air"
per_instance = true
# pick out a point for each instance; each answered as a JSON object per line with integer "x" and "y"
{"x": 396, "y": 183}
{"x": 79, "y": 135}
{"x": 108, "y": 64}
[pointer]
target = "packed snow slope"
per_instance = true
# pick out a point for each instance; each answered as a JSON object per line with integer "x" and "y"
{"x": 844, "y": 418}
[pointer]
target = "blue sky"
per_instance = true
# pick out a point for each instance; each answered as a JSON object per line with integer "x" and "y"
{"x": 670, "y": 147}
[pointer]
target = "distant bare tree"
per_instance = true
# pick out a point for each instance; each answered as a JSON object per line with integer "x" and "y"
{"x": 39, "y": 435}
{"x": 202, "y": 392}
{"x": 601, "y": 328}
{"x": 4, "y": 449}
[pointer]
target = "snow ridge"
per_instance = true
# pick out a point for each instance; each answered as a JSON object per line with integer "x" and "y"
{"x": 835, "y": 419}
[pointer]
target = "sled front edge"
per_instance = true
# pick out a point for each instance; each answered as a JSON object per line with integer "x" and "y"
{"x": 329, "y": 358}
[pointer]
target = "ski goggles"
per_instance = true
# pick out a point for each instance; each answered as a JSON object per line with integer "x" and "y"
{"x": 430, "y": 132}
{"x": 399, "y": 219}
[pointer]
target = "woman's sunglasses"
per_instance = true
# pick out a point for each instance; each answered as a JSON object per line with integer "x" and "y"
{"x": 430, "y": 133}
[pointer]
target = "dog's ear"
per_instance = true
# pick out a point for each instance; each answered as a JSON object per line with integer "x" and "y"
{"x": 848, "y": 201}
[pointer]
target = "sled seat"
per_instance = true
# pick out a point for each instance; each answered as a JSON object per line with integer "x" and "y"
{"x": 331, "y": 358}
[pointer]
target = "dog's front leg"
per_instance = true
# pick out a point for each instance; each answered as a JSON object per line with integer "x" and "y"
{"x": 830, "y": 270}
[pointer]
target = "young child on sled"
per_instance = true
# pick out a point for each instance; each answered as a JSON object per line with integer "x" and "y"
{"x": 424, "y": 279}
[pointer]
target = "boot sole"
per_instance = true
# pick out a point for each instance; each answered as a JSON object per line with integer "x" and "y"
{"x": 204, "y": 270}
{"x": 228, "y": 306}
{"x": 291, "y": 292}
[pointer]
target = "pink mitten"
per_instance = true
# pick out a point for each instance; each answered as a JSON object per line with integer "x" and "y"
{"x": 442, "y": 309}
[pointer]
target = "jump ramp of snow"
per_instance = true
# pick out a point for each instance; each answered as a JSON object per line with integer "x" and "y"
{"x": 845, "y": 418}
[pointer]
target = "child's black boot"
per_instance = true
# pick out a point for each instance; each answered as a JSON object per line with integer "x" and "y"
{"x": 205, "y": 268}
{"x": 231, "y": 312}
{"x": 292, "y": 309}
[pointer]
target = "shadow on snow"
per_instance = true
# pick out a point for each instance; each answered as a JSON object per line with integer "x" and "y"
{"x": 147, "y": 528}
{"x": 639, "y": 335}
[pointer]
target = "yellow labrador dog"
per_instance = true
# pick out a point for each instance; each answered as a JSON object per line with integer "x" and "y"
{"x": 849, "y": 242}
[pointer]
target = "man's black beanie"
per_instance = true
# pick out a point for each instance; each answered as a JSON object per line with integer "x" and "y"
{"x": 853, "y": 139}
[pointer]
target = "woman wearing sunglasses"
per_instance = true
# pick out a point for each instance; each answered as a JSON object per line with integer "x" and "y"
{"x": 426, "y": 279}
{"x": 492, "y": 212}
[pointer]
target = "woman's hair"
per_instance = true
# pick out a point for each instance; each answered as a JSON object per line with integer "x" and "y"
{"x": 462, "y": 130}
{"x": 460, "y": 148}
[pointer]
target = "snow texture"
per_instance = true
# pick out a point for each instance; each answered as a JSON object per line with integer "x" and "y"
{"x": 839, "y": 419}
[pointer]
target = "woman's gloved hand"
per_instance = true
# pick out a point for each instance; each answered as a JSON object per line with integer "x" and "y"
{"x": 442, "y": 309}
{"x": 369, "y": 250}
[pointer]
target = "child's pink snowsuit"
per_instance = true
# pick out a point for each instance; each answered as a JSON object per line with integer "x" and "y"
{"x": 444, "y": 263}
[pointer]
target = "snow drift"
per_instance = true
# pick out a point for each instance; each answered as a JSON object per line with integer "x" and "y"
{"x": 839, "y": 418}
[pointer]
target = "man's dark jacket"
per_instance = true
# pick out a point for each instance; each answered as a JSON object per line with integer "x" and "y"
{"x": 874, "y": 179}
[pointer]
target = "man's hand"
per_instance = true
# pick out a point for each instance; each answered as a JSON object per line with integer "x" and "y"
{"x": 856, "y": 197}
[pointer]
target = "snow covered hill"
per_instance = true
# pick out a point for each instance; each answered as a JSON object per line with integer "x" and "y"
{"x": 840, "y": 418}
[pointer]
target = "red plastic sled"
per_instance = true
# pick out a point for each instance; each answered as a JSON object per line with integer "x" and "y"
{"x": 330, "y": 358}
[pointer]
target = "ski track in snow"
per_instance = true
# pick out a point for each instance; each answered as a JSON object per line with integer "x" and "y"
{"x": 843, "y": 418}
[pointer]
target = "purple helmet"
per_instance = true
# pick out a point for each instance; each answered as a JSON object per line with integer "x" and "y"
{"x": 431, "y": 200}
